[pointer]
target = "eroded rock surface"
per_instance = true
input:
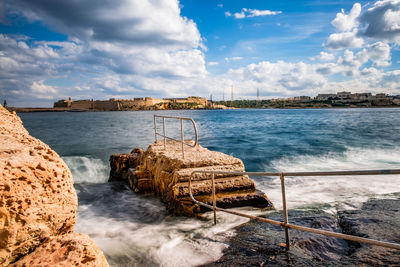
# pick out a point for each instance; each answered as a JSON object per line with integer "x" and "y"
{"x": 165, "y": 172}
{"x": 37, "y": 199}
{"x": 66, "y": 250}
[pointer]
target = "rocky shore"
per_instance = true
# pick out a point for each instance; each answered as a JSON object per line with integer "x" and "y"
{"x": 258, "y": 244}
{"x": 38, "y": 204}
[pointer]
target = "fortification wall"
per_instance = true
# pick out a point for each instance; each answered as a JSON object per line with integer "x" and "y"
{"x": 82, "y": 104}
{"x": 154, "y": 101}
{"x": 106, "y": 105}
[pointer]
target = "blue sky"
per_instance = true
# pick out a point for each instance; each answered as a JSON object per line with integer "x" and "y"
{"x": 52, "y": 49}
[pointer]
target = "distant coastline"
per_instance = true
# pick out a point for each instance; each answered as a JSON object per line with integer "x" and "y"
{"x": 339, "y": 100}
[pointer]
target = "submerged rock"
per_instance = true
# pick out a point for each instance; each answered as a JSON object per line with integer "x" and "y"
{"x": 37, "y": 197}
{"x": 260, "y": 244}
{"x": 164, "y": 172}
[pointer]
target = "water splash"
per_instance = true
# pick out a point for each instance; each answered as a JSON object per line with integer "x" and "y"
{"x": 87, "y": 170}
{"x": 135, "y": 230}
{"x": 348, "y": 191}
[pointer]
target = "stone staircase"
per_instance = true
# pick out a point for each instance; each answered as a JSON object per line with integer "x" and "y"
{"x": 166, "y": 173}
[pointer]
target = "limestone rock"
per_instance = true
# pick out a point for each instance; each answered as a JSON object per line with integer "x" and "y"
{"x": 165, "y": 172}
{"x": 67, "y": 250}
{"x": 37, "y": 197}
{"x": 120, "y": 163}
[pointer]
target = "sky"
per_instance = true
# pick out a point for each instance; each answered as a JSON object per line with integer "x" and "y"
{"x": 101, "y": 49}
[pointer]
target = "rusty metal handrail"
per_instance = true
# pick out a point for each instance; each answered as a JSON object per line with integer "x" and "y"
{"x": 182, "y": 141}
{"x": 285, "y": 223}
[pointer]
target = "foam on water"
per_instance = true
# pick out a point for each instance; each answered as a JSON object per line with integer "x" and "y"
{"x": 345, "y": 191}
{"x": 135, "y": 230}
{"x": 87, "y": 169}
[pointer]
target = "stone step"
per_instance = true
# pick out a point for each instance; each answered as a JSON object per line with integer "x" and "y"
{"x": 183, "y": 175}
{"x": 227, "y": 200}
{"x": 227, "y": 184}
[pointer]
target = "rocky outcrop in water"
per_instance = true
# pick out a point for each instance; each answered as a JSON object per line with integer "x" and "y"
{"x": 120, "y": 164}
{"x": 258, "y": 244}
{"x": 164, "y": 172}
{"x": 37, "y": 197}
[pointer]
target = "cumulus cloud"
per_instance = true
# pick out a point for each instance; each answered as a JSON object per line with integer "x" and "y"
{"x": 326, "y": 56}
{"x": 343, "y": 22}
{"x": 40, "y": 87}
{"x": 379, "y": 22}
{"x": 249, "y": 13}
{"x": 149, "y": 39}
{"x": 382, "y": 21}
{"x": 344, "y": 40}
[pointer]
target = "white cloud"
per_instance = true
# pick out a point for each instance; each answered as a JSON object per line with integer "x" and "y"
{"x": 379, "y": 22}
{"x": 343, "y": 22}
{"x": 40, "y": 87}
{"x": 344, "y": 40}
{"x": 382, "y": 21}
{"x": 326, "y": 56}
{"x": 212, "y": 63}
{"x": 249, "y": 13}
{"x": 141, "y": 39}
{"x": 227, "y": 59}
{"x": 220, "y": 5}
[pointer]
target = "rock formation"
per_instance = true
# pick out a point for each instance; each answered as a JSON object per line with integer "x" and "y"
{"x": 66, "y": 250}
{"x": 37, "y": 197}
{"x": 166, "y": 173}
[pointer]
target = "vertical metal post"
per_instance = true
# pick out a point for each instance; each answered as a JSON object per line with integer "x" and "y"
{"x": 214, "y": 199}
{"x": 182, "y": 139}
{"x": 163, "y": 126}
{"x": 285, "y": 215}
{"x": 155, "y": 128}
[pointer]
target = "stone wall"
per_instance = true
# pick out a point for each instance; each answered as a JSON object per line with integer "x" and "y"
{"x": 106, "y": 105}
{"x": 82, "y": 104}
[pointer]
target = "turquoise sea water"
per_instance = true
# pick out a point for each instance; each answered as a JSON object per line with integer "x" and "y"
{"x": 135, "y": 230}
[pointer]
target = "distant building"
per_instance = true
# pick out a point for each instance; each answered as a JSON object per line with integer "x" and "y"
{"x": 343, "y": 95}
{"x": 324, "y": 97}
{"x": 63, "y": 103}
{"x": 302, "y": 98}
{"x": 361, "y": 96}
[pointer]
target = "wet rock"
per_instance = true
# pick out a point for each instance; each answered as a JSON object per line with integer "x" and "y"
{"x": 165, "y": 173}
{"x": 67, "y": 250}
{"x": 377, "y": 219}
{"x": 259, "y": 244}
{"x": 120, "y": 164}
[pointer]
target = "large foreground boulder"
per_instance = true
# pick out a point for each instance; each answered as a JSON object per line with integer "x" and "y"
{"x": 37, "y": 197}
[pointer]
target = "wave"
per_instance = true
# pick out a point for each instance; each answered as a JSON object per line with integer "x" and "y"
{"x": 136, "y": 230}
{"x": 342, "y": 191}
{"x": 87, "y": 170}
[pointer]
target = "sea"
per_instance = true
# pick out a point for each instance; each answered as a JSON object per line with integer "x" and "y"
{"x": 136, "y": 230}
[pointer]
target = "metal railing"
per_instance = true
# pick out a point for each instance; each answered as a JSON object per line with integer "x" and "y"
{"x": 164, "y": 134}
{"x": 285, "y": 224}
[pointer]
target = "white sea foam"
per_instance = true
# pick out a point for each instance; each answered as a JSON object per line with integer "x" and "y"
{"x": 134, "y": 230}
{"x": 87, "y": 170}
{"x": 345, "y": 191}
